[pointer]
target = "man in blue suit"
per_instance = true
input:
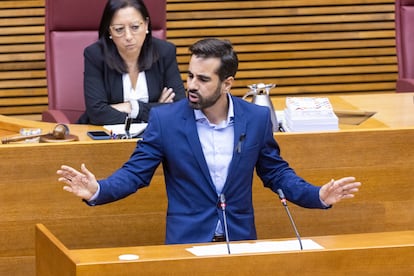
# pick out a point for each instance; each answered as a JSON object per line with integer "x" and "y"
{"x": 209, "y": 145}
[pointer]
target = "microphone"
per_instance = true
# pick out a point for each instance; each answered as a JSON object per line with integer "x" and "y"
{"x": 128, "y": 121}
{"x": 284, "y": 203}
{"x": 223, "y": 208}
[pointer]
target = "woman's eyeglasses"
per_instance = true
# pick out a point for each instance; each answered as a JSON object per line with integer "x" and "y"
{"x": 119, "y": 30}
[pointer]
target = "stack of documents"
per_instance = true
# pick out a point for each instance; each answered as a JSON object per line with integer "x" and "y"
{"x": 309, "y": 114}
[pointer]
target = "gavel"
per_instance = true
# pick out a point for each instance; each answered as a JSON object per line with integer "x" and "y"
{"x": 59, "y": 132}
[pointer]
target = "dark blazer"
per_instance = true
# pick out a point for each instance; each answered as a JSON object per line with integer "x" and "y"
{"x": 171, "y": 138}
{"x": 103, "y": 86}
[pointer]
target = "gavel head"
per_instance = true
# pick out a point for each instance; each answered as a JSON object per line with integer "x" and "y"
{"x": 60, "y": 131}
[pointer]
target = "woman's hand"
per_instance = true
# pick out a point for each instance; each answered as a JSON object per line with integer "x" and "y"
{"x": 167, "y": 95}
{"x": 123, "y": 107}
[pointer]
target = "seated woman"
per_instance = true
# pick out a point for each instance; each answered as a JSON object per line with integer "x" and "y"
{"x": 127, "y": 71}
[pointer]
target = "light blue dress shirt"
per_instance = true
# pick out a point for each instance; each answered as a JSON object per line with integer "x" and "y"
{"x": 217, "y": 144}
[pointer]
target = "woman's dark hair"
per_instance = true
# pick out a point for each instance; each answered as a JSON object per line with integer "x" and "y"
{"x": 148, "y": 54}
{"x": 216, "y": 48}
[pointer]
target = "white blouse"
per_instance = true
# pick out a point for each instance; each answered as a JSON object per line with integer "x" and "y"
{"x": 140, "y": 93}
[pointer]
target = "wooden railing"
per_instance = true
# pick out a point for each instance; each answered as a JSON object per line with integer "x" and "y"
{"x": 304, "y": 47}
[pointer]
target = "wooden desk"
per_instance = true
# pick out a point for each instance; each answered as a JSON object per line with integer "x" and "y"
{"x": 10, "y": 127}
{"x": 381, "y": 158}
{"x": 393, "y": 110}
{"x": 388, "y": 253}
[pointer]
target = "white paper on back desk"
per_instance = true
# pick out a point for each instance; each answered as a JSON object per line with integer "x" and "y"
{"x": 309, "y": 114}
{"x": 119, "y": 129}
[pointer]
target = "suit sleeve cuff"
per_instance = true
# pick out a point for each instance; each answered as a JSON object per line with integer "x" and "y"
{"x": 134, "y": 108}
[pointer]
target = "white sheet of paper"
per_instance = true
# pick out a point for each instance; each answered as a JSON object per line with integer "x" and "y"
{"x": 255, "y": 247}
{"x": 120, "y": 128}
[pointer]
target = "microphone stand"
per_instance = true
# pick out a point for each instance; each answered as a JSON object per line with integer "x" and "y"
{"x": 223, "y": 208}
{"x": 284, "y": 203}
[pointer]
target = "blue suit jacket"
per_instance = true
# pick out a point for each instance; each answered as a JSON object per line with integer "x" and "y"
{"x": 103, "y": 85}
{"x": 171, "y": 138}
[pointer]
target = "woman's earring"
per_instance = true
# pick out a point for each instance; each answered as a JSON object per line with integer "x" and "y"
{"x": 110, "y": 37}
{"x": 147, "y": 32}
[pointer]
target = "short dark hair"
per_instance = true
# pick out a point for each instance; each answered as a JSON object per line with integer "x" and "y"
{"x": 148, "y": 53}
{"x": 216, "y": 48}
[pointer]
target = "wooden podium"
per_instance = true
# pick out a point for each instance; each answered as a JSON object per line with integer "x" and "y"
{"x": 389, "y": 253}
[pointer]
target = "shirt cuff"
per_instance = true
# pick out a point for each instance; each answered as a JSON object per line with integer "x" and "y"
{"x": 324, "y": 204}
{"x": 134, "y": 108}
{"x": 92, "y": 200}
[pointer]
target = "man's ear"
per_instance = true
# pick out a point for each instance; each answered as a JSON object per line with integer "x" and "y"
{"x": 227, "y": 83}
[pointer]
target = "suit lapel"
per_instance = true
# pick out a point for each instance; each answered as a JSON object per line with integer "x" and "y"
{"x": 240, "y": 128}
{"x": 114, "y": 80}
{"x": 152, "y": 81}
{"x": 193, "y": 139}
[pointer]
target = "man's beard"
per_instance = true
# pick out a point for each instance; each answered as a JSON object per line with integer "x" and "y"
{"x": 204, "y": 103}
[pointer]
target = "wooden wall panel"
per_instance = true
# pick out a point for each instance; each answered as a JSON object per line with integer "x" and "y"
{"x": 304, "y": 47}
{"x": 23, "y": 88}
